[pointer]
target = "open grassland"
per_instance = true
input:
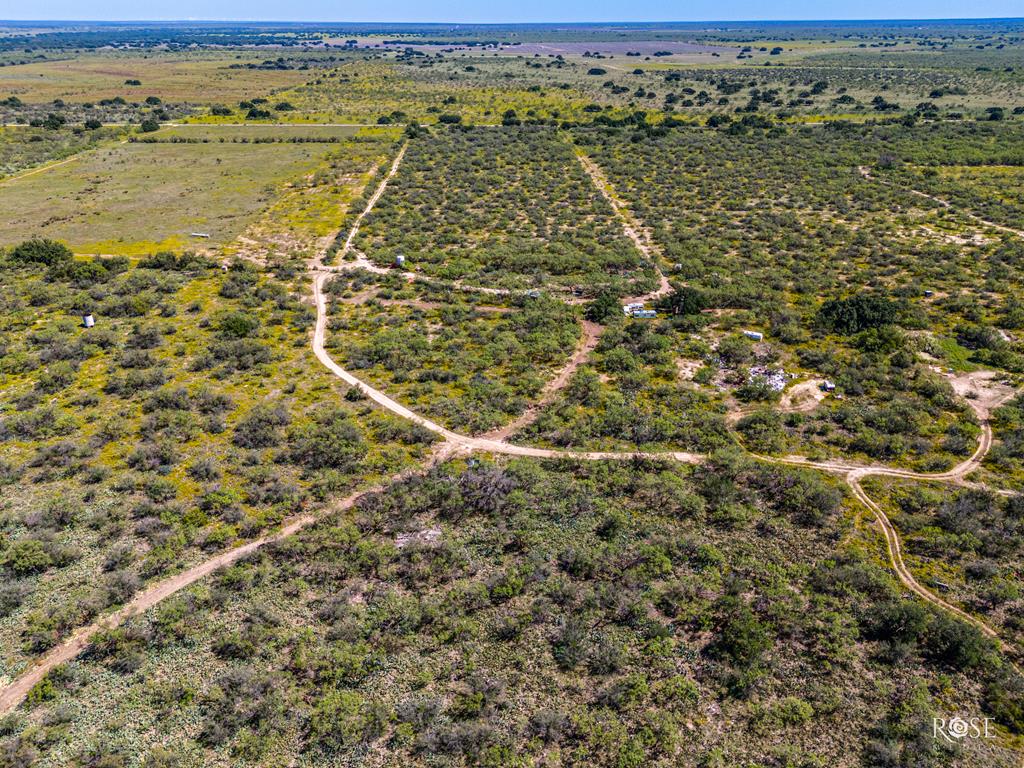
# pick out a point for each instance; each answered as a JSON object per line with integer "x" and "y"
{"x": 104, "y": 201}
{"x": 197, "y": 78}
{"x": 24, "y": 148}
{"x": 213, "y": 133}
{"x": 310, "y": 211}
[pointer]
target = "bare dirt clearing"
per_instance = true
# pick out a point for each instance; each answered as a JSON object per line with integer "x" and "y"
{"x": 803, "y": 397}
{"x": 688, "y": 368}
{"x": 984, "y": 391}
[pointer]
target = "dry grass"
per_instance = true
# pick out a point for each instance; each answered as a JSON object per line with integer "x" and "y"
{"x": 190, "y": 77}
{"x": 104, "y": 201}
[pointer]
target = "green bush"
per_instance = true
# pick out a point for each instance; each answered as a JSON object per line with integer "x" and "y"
{"x": 343, "y": 719}
{"x": 857, "y": 313}
{"x": 41, "y": 251}
{"x": 332, "y": 441}
{"x": 27, "y": 556}
{"x": 684, "y": 300}
{"x": 238, "y": 325}
{"x": 605, "y": 306}
{"x": 742, "y": 638}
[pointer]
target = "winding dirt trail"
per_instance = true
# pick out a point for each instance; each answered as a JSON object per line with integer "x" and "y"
{"x": 40, "y": 169}
{"x": 460, "y": 442}
{"x": 895, "y": 551}
{"x": 13, "y": 693}
{"x": 495, "y": 442}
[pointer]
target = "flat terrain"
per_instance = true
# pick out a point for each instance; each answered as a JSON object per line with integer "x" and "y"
{"x": 27, "y": 150}
{"x": 509, "y": 208}
{"x": 614, "y": 395}
{"x": 198, "y": 77}
{"x": 103, "y": 201}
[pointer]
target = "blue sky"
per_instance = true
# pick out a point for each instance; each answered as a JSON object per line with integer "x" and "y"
{"x": 505, "y": 10}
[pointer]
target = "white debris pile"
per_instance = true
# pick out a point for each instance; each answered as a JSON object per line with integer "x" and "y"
{"x": 773, "y": 377}
{"x": 428, "y": 537}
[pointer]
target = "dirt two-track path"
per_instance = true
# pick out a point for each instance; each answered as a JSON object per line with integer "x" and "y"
{"x": 633, "y": 229}
{"x": 12, "y": 694}
{"x": 496, "y": 442}
{"x": 588, "y": 342}
{"x": 865, "y": 171}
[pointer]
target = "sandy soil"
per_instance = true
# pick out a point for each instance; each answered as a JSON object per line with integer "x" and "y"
{"x": 687, "y": 368}
{"x": 802, "y": 397}
{"x": 983, "y": 391}
{"x": 591, "y": 335}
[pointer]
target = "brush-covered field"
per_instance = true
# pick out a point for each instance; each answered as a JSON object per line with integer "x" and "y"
{"x": 154, "y": 438}
{"x": 514, "y": 613}
{"x": 446, "y": 397}
{"x": 470, "y": 366}
{"x": 501, "y": 207}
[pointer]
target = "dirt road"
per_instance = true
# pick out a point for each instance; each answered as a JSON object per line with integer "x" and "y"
{"x": 866, "y": 173}
{"x": 373, "y": 199}
{"x": 895, "y": 551}
{"x": 78, "y": 641}
{"x": 455, "y": 443}
{"x": 40, "y": 169}
{"x": 461, "y": 442}
{"x": 633, "y": 229}
{"x": 14, "y": 693}
{"x": 495, "y": 442}
{"x": 591, "y": 335}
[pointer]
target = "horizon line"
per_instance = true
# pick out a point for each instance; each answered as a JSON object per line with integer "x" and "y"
{"x": 519, "y": 23}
